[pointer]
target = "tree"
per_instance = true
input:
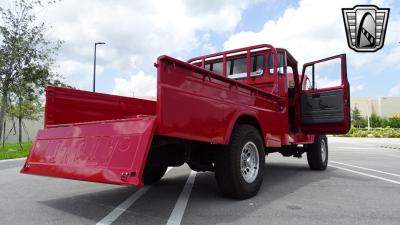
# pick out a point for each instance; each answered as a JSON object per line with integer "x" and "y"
{"x": 375, "y": 120}
{"x": 394, "y": 121}
{"x": 356, "y": 119}
{"x": 26, "y": 56}
{"x": 384, "y": 122}
{"x": 24, "y": 108}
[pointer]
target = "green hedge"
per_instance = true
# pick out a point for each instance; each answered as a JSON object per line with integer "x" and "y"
{"x": 373, "y": 132}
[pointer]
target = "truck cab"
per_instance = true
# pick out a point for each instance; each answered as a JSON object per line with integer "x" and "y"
{"x": 308, "y": 107}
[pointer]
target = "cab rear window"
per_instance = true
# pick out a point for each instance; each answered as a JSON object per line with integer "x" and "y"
{"x": 215, "y": 67}
{"x": 237, "y": 68}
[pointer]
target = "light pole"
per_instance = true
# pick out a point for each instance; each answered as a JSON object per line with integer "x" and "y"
{"x": 94, "y": 64}
{"x": 369, "y": 113}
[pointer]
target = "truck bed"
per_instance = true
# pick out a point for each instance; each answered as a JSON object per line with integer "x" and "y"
{"x": 66, "y": 106}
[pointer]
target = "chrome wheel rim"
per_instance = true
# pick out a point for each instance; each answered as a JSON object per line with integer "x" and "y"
{"x": 249, "y": 162}
{"x": 323, "y": 150}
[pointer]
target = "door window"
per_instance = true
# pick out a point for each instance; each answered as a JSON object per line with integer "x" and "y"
{"x": 324, "y": 74}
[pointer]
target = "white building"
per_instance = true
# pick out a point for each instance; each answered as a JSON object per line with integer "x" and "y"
{"x": 29, "y": 130}
{"x": 382, "y": 106}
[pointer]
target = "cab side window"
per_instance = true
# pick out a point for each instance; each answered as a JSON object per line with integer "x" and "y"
{"x": 257, "y": 65}
{"x": 237, "y": 68}
{"x": 271, "y": 63}
{"x": 215, "y": 67}
{"x": 281, "y": 63}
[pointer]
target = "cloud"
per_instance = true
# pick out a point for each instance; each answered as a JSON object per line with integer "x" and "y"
{"x": 392, "y": 58}
{"x": 136, "y": 32}
{"x": 139, "y": 85}
{"x": 75, "y": 72}
{"x": 395, "y": 90}
{"x": 312, "y": 30}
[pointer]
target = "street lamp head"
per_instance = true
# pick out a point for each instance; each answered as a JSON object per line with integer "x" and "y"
{"x": 99, "y": 43}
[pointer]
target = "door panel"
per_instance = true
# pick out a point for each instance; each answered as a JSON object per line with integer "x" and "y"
{"x": 325, "y": 106}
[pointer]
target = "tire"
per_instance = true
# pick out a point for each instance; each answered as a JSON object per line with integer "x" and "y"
{"x": 317, "y": 153}
{"x": 229, "y": 165}
{"x": 152, "y": 174}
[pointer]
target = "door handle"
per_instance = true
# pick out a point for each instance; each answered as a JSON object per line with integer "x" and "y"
{"x": 316, "y": 95}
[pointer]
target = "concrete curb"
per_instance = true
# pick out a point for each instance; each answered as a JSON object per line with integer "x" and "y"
{"x": 12, "y": 160}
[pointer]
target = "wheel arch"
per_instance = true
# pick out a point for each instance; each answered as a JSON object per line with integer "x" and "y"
{"x": 244, "y": 118}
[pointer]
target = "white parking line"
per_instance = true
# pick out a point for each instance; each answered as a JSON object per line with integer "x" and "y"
{"x": 366, "y": 174}
{"x": 113, "y": 215}
{"x": 358, "y": 148}
{"x": 177, "y": 213}
{"x": 121, "y": 208}
{"x": 364, "y": 168}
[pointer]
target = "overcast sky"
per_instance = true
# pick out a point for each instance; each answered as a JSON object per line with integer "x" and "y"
{"x": 137, "y": 32}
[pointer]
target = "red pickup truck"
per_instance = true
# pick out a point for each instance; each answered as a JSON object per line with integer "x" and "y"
{"x": 221, "y": 112}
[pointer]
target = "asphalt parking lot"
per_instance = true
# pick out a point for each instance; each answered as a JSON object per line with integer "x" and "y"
{"x": 360, "y": 186}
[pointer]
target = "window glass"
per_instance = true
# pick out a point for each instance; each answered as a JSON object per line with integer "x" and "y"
{"x": 328, "y": 74}
{"x": 308, "y": 85}
{"x": 271, "y": 63}
{"x": 217, "y": 67}
{"x": 289, "y": 69}
{"x": 307, "y": 80}
{"x": 238, "y": 68}
{"x": 281, "y": 63}
{"x": 257, "y": 65}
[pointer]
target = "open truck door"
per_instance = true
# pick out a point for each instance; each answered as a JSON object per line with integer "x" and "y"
{"x": 325, "y": 103}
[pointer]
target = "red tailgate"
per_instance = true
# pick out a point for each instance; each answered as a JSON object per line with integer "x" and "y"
{"x": 113, "y": 151}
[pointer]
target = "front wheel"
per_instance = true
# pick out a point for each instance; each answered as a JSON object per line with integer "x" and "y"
{"x": 317, "y": 153}
{"x": 240, "y": 165}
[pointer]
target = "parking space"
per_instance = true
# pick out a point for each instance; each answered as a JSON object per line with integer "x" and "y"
{"x": 360, "y": 186}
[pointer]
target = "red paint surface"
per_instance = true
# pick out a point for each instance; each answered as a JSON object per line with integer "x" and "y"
{"x": 99, "y": 152}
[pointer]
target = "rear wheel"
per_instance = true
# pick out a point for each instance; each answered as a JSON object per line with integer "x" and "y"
{"x": 153, "y": 174}
{"x": 317, "y": 153}
{"x": 240, "y": 165}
